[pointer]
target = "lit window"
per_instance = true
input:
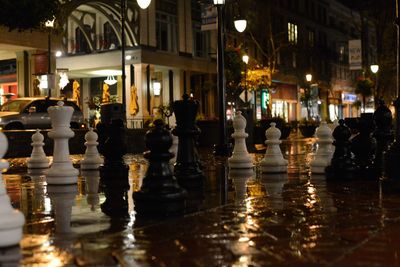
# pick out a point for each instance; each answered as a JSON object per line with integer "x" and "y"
{"x": 292, "y": 33}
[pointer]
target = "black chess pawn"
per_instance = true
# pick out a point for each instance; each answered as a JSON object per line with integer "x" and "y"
{"x": 383, "y": 133}
{"x": 363, "y": 146}
{"x": 160, "y": 193}
{"x": 187, "y": 167}
{"x": 342, "y": 165}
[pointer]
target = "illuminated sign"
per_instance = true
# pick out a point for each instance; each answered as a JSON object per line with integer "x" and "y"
{"x": 349, "y": 97}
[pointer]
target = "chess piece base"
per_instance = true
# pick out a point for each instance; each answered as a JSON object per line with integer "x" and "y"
{"x": 37, "y": 164}
{"x": 240, "y": 164}
{"x": 156, "y": 204}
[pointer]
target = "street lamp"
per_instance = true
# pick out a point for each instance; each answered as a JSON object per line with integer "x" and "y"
{"x": 222, "y": 148}
{"x": 308, "y": 77}
{"x": 49, "y": 25}
{"x": 374, "y": 69}
{"x": 143, "y": 4}
{"x": 245, "y": 59}
{"x": 392, "y": 168}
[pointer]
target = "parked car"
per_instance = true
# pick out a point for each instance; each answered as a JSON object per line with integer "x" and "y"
{"x": 31, "y": 113}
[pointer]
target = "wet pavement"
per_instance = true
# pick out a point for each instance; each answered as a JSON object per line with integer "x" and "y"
{"x": 241, "y": 219}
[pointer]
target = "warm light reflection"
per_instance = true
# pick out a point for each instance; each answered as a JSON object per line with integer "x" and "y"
{"x": 244, "y": 239}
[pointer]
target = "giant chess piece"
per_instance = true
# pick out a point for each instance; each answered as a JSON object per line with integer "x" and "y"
{"x": 240, "y": 157}
{"x": 160, "y": 193}
{"x": 116, "y": 193}
{"x": 61, "y": 170}
{"x": 38, "y": 159}
{"x": 323, "y": 154}
{"x": 187, "y": 167}
{"x": 92, "y": 180}
{"x": 91, "y": 160}
{"x": 384, "y": 137}
{"x": 363, "y": 146}
{"x": 273, "y": 161}
{"x": 342, "y": 165}
{"x": 11, "y": 220}
{"x": 112, "y": 143}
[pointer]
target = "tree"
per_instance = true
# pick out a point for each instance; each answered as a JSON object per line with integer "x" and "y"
{"x": 27, "y": 14}
{"x": 364, "y": 87}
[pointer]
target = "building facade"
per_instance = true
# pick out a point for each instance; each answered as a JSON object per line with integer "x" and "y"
{"x": 168, "y": 54}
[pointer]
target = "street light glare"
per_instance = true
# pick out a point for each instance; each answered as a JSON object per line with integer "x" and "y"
{"x": 143, "y": 4}
{"x": 374, "y": 68}
{"x": 240, "y": 25}
{"x": 308, "y": 77}
{"x": 219, "y": 2}
{"x": 245, "y": 59}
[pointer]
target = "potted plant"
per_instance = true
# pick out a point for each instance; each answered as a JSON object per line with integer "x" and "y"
{"x": 364, "y": 87}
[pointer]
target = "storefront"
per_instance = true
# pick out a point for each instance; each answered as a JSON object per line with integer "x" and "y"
{"x": 280, "y": 101}
{"x": 349, "y": 110}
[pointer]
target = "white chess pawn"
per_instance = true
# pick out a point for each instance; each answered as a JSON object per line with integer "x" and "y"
{"x": 61, "y": 170}
{"x": 92, "y": 179}
{"x": 273, "y": 161}
{"x": 11, "y": 220}
{"x": 323, "y": 154}
{"x": 240, "y": 157}
{"x": 38, "y": 159}
{"x": 91, "y": 160}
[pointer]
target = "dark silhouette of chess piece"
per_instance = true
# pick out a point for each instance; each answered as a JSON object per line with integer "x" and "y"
{"x": 363, "y": 146}
{"x": 160, "y": 193}
{"x": 383, "y": 134}
{"x": 187, "y": 166}
{"x": 116, "y": 193}
{"x": 113, "y": 148}
{"x": 342, "y": 165}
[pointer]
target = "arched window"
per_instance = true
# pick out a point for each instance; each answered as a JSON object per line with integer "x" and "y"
{"x": 81, "y": 44}
{"x": 110, "y": 40}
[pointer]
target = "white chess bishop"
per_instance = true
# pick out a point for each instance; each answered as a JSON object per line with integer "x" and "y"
{"x": 91, "y": 160}
{"x": 324, "y": 151}
{"x": 11, "y": 220}
{"x": 61, "y": 170}
{"x": 240, "y": 157}
{"x": 38, "y": 159}
{"x": 273, "y": 161}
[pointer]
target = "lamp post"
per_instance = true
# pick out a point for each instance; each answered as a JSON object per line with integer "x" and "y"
{"x": 49, "y": 25}
{"x": 245, "y": 59}
{"x": 374, "y": 69}
{"x": 307, "y": 94}
{"x": 392, "y": 155}
{"x": 143, "y": 4}
{"x": 222, "y": 148}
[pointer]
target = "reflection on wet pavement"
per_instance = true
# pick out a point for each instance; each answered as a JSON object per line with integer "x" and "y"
{"x": 242, "y": 218}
